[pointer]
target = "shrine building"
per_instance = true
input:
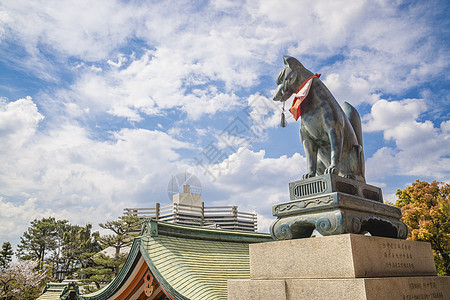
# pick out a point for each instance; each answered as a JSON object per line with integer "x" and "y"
{"x": 174, "y": 261}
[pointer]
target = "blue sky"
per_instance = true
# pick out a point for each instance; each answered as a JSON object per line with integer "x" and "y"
{"x": 101, "y": 102}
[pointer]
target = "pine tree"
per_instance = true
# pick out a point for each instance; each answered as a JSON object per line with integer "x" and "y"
{"x": 105, "y": 265}
{"x": 78, "y": 243}
{"x": 6, "y": 255}
{"x": 125, "y": 230}
{"x": 41, "y": 240}
{"x": 100, "y": 269}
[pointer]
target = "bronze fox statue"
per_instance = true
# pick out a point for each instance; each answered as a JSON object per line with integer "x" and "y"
{"x": 331, "y": 135}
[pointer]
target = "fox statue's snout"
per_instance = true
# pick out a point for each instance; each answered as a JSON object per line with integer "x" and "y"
{"x": 285, "y": 84}
{"x": 280, "y": 94}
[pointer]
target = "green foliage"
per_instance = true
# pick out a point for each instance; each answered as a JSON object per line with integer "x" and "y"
{"x": 125, "y": 230}
{"x": 42, "y": 238}
{"x": 105, "y": 265}
{"x": 73, "y": 248}
{"x": 6, "y": 255}
{"x": 98, "y": 273}
{"x": 59, "y": 244}
{"x": 426, "y": 210}
{"x": 78, "y": 243}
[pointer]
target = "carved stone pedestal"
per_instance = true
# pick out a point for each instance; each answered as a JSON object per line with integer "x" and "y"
{"x": 344, "y": 266}
{"x": 335, "y": 205}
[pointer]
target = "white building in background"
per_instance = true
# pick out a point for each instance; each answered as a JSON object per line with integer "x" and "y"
{"x": 188, "y": 208}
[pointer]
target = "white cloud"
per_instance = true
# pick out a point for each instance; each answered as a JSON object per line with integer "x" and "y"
{"x": 264, "y": 112}
{"x": 391, "y": 198}
{"x": 147, "y": 86}
{"x": 120, "y": 60}
{"x": 252, "y": 181}
{"x": 83, "y": 29}
{"x": 211, "y": 43}
{"x": 386, "y": 115}
{"x": 67, "y": 174}
{"x": 421, "y": 148}
{"x": 64, "y": 172}
{"x": 379, "y": 47}
{"x": 382, "y": 162}
{"x": 195, "y": 61}
{"x": 18, "y": 122}
{"x": 219, "y": 42}
{"x": 353, "y": 89}
{"x": 445, "y": 127}
{"x": 398, "y": 121}
{"x": 15, "y": 218}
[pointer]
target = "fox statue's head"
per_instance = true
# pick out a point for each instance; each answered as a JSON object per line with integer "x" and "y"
{"x": 287, "y": 80}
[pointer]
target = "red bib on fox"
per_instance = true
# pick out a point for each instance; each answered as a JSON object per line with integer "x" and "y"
{"x": 301, "y": 94}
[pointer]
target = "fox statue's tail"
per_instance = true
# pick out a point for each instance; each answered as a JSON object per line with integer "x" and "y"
{"x": 355, "y": 120}
{"x": 353, "y": 116}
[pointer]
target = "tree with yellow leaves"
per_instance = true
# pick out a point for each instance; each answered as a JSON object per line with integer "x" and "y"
{"x": 426, "y": 210}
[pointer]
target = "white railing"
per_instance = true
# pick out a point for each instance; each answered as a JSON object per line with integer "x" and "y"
{"x": 226, "y": 217}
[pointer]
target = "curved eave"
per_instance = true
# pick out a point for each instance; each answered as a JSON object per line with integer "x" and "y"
{"x": 112, "y": 288}
{"x": 129, "y": 283}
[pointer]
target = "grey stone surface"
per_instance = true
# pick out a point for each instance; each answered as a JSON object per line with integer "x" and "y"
{"x": 341, "y": 267}
{"x": 408, "y": 288}
{"x": 256, "y": 289}
{"x": 401, "y": 288}
{"x": 313, "y": 289}
{"x": 393, "y": 288}
{"x": 341, "y": 256}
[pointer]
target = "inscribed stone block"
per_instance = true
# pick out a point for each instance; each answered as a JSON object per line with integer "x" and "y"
{"x": 341, "y": 256}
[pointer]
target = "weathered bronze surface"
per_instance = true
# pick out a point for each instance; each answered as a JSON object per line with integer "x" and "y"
{"x": 331, "y": 135}
{"x": 332, "y": 197}
{"x": 335, "y": 205}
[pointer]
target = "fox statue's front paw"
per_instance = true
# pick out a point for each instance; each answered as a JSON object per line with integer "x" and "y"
{"x": 331, "y": 170}
{"x": 309, "y": 175}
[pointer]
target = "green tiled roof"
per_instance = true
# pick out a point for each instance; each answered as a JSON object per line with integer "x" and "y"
{"x": 56, "y": 290}
{"x": 50, "y": 295}
{"x": 198, "y": 269}
{"x": 52, "y": 291}
{"x": 188, "y": 262}
{"x": 195, "y": 262}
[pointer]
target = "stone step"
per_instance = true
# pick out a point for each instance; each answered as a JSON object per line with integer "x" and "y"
{"x": 393, "y": 288}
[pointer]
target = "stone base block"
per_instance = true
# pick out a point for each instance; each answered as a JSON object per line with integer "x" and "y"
{"x": 256, "y": 289}
{"x": 401, "y": 288}
{"x": 341, "y": 256}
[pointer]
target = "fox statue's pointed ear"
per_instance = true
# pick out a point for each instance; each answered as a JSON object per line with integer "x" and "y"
{"x": 291, "y": 62}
